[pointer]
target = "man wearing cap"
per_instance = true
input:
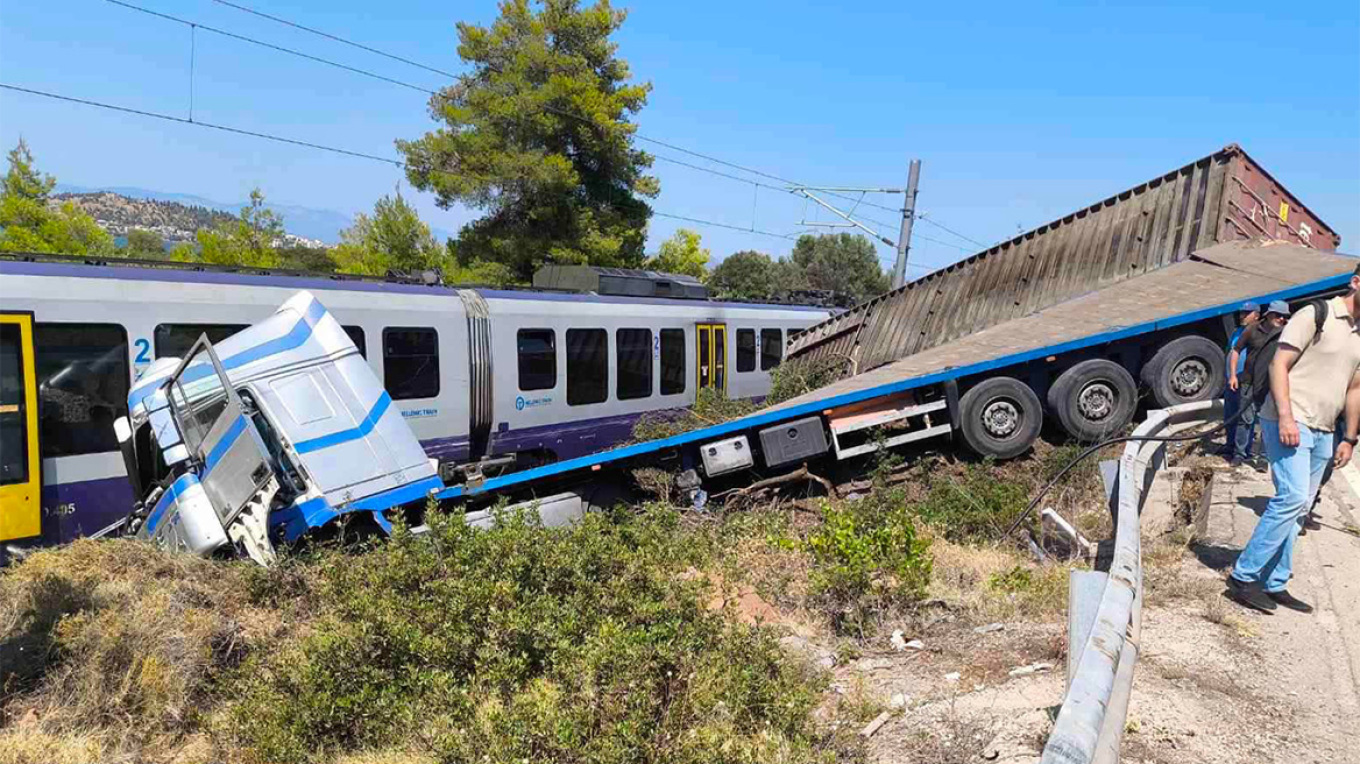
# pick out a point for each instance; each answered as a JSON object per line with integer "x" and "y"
{"x": 1314, "y": 379}
{"x": 1241, "y": 431}
{"x": 1241, "y": 379}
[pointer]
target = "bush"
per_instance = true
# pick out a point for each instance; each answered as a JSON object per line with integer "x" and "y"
{"x": 115, "y": 646}
{"x": 868, "y": 557}
{"x": 524, "y": 643}
{"x": 798, "y": 376}
{"x": 710, "y": 407}
{"x": 979, "y": 506}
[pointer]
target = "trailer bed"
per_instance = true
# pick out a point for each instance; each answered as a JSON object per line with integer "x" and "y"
{"x": 1212, "y": 282}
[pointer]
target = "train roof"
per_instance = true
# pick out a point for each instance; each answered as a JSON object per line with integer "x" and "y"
{"x": 79, "y": 266}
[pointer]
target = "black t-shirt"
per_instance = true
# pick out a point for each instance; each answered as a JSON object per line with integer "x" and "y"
{"x": 1252, "y": 340}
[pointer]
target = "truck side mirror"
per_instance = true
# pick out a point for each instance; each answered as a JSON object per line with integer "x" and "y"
{"x": 122, "y": 430}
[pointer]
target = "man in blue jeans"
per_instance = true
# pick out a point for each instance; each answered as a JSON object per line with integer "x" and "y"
{"x": 1239, "y": 434}
{"x": 1314, "y": 379}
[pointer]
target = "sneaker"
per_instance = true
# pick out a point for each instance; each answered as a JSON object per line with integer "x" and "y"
{"x": 1285, "y": 599}
{"x": 1250, "y": 595}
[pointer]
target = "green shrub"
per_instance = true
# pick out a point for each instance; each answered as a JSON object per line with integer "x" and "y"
{"x": 868, "y": 557}
{"x": 1017, "y": 579}
{"x": 979, "y": 506}
{"x": 710, "y": 407}
{"x": 796, "y": 377}
{"x": 524, "y": 643}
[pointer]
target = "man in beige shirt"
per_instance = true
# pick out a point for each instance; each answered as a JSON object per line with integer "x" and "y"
{"x": 1314, "y": 380}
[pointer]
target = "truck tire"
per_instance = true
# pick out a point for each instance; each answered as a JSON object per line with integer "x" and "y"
{"x": 1185, "y": 370}
{"x": 1094, "y": 399}
{"x": 1001, "y": 417}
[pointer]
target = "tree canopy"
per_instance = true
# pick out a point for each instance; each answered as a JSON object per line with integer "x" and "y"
{"x": 392, "y": 238}
{"x": 538, "y": 136}
{"x": 144, "y": 244}
{"x": 681, "y": 254}
{"x": 31, "y": 222}
{"x": 842, "y": 262}
{"x": 251, "y": 240}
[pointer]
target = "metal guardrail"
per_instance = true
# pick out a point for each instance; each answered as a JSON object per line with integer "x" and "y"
{"x": 1106, "y": 609}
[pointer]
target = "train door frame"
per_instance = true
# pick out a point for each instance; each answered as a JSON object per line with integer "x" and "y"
{"x": 21, "y": 500}
{"x": 710, "y": 352}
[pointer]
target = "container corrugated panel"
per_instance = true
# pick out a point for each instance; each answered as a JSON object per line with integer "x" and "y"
{"x": 1225, "y": 196}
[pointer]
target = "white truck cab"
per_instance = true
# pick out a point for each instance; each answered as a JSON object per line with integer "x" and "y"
{"x": 271, "y": 433}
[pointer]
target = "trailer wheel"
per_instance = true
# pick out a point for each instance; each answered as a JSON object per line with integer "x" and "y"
{"x": 1094, "y": 399}
{"x": 1001, "y": 417}
{"x": 1185, "y": 370}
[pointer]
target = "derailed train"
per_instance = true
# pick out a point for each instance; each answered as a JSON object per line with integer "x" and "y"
{"x": 487, "y": 379}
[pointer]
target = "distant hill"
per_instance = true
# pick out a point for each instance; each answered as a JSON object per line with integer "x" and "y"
{"x": 303, "y": 222}
{"x": 118, "y": 214}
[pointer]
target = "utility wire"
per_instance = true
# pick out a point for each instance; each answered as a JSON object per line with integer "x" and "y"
{"x": 199, "y": 123}
{"x": 271, "y": 46}
{"x": 942, "y": 226}
{"x": 322, "y": 147}
{"x": 546, "y": 107}
{"x": 341, "y": 40}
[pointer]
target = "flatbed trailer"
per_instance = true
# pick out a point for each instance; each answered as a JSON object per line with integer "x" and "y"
{"x": 991, "y": 389}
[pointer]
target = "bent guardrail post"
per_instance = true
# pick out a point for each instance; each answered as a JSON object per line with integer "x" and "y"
{"x": 1090, "y": 725}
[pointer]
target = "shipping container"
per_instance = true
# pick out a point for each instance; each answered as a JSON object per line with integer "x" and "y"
{"x": 1223, "y": 197}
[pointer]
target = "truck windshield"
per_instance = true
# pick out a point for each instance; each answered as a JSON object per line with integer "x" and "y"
{"x": 198, "y": 398}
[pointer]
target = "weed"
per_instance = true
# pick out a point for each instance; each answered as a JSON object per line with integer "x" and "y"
{"x": 1017, "y": 579}
{"x": 799, "y": 376}
{"x": 710, "y": 407}
{"x": 977, "y": 506}
{"x": 868, "y": 556}
{"x": 523, "y": 642}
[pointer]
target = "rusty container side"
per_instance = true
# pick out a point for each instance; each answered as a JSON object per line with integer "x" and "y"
{"x": 1223, "y": 197}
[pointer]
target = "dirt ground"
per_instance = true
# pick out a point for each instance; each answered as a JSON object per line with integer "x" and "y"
{"x": 1215, "y": 683}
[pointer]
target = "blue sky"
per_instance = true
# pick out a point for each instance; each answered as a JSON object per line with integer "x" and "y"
{"x": 1020, "y": 112}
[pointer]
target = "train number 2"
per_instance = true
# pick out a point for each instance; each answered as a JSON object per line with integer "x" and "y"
{"x": 143, "y": 346}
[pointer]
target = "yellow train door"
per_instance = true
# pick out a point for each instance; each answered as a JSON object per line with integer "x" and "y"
{"x": 711, "y": 352}
{"x": 20, "y": 478}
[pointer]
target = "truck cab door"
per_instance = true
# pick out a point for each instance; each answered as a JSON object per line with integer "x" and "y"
{"x": 20, "y": 461}
{"x": 232, "y": 459}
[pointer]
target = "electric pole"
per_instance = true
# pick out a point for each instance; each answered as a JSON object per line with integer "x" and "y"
{"x": 908, "y": 216}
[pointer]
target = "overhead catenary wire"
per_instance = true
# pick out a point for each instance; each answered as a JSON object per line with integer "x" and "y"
{"x": 336, "y": 38}
{"x": 319, "y": 146}
{"x": 200, "y": 123}
{"x": 926, "y": 218}
{"x": 193, "y": 25}
{"x": 550, "y": 108}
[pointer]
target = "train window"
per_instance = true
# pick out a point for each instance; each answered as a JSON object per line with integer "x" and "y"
{"x": 634, "y": 350}
{"x": 176, "y": 340}
{"x": 672, "y": 361}
{"x": 82, "y": 372}
{"x": 356, "y": 335}
{"x": 13, "y": 415}
{"x": 587, "y": 366}
{"x": 410, "y": 362}
{"x": 771, "y": 348}
{"x": 746, "y": 350}
{"x": 537, "y": 359}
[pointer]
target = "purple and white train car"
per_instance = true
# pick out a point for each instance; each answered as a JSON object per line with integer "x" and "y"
{"x": 486, "y": 378}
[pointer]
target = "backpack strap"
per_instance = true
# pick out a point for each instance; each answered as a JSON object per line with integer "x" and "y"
{"x": 1319, "y": 317}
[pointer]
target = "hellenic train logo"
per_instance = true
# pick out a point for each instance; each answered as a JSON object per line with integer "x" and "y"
{"x": 522, "y": 403}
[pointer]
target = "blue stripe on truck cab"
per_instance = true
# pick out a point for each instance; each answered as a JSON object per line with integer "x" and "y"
{"x": 354, "y": 433}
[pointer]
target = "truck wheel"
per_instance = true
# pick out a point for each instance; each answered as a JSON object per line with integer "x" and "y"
{"x": 1094, "y": 399}
{"x": 1001, "y": 417}
{"x": 1184, "y": 370}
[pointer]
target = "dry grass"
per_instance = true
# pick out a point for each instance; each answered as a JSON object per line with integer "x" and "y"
{"x": 997, "y": 584}
{"x": 112, "y": 647}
